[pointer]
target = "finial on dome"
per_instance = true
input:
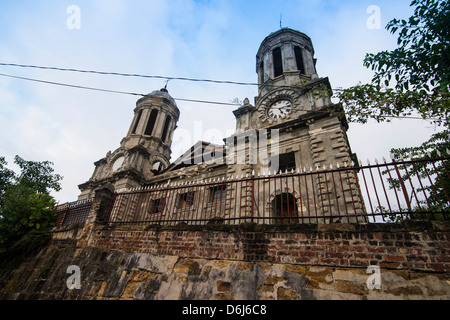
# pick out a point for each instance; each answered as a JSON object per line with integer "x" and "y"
{"x": 165, "y": 87}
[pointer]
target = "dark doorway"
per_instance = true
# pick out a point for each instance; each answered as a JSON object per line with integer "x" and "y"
{"x": 284, "y": 208}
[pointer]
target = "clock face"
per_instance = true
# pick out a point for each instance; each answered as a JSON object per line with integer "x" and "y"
{"x": 280, "y": 109}
{"x": 118, "y": 163}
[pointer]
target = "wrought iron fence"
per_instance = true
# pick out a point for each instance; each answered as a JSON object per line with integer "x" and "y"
{"x": 73, "y": 212}
{"x": 417, "y": 189}
{"x": 370, "y": 193}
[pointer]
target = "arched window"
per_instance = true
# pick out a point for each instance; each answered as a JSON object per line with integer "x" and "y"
{"x": 277, "y": 62}
{"x": 284, "y": 208}
{"x": 261, "y": 70}
{"x": 166, "y": 129}
{"x": 137, "y": 121}
{"x": 299, "y": 58}
{"x": 151, "y": 122}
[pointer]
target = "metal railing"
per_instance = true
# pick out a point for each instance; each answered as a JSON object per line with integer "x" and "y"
{"x": 371, "y": 193}
{"x": 73, "y": 212}
{"x": 418, "y": 189}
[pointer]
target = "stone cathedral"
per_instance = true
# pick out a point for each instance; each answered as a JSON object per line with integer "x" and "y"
{"x": 292, "y": 127}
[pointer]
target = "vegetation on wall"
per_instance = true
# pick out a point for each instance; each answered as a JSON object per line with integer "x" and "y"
{"x": 26, "y": 204}
{"x": 413, "y": 79}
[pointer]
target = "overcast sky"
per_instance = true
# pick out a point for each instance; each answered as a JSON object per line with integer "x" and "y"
{"x": 209, "y": 39}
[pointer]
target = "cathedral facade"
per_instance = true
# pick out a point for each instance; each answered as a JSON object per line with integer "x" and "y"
{"x": 275, "y": 168}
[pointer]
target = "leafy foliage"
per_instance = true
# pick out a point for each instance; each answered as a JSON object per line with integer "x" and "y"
{"x": 415, "y": 77}
{"x": 438, "y": 190}
{"x": 26, "y": 207}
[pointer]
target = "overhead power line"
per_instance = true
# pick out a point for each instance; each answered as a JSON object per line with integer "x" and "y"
{"x": 111, "y": 91}
{"x": 161, "y": 77}
{"x": 69, "y": 85}
{"x": 128, "y": 74}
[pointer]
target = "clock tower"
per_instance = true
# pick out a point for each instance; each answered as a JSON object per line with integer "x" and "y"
{"x": 293, "y": 100}
{"x": 294, "y": 108}
{"x": 145, "y": 150}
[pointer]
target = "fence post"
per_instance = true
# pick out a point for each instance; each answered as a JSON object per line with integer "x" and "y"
{"x": 97, "y": 214}
{"x": 405, "y": 192}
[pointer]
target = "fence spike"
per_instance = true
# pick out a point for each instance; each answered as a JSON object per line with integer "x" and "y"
{"x": 392, "y": 156}
{"x": 439, "y": 153}
{"x": 411, "y": 155}
{"x": 448, "y": 152}
{"x": 337, "y": 165}
{"x": 353, "y": 163}
{"x": 429, "y": 154}
{"x": 384, "y": 160}
{"x": 376, "y": 160}
{"x": 401, "y": 157}
{"x": 368, "y": 162}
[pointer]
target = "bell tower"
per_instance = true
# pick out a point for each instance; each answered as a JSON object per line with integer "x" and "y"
{"x": 307, "y": 130}
{"x": 143, "y": 152}
{"x": 285, "y": 58}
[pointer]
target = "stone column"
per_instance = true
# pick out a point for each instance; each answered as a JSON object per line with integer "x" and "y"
{"x": 97, "y": 214}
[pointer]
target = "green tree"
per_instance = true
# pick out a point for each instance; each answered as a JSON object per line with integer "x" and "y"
{"x": 26, "y": 205}
{"x": 412, "y": 79}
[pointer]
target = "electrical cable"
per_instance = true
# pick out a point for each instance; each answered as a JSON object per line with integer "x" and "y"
{"x": 69, "y": 85}
{"x": 178, "y": 99}
{"x": 128, "y": 74}
{"x": 111, "y": 91}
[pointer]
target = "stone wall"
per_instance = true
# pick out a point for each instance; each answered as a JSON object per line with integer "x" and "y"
{"x": 251, "y": 262}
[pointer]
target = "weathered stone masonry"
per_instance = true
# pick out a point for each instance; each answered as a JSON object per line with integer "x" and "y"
{"x": 240, "y": 262}
{"x": 418, "y": 248}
